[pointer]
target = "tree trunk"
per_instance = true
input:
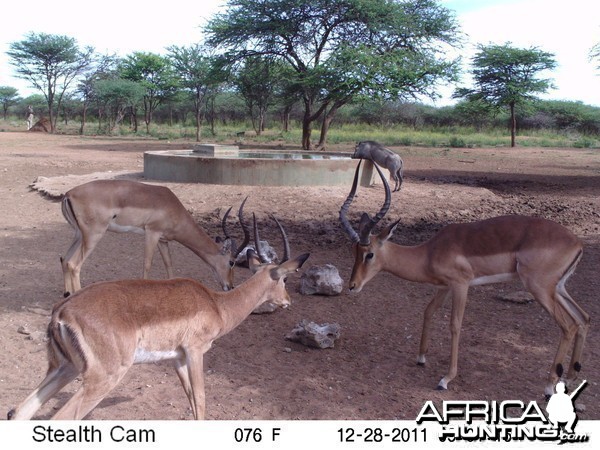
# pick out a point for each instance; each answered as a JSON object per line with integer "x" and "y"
{"x": 83, "y": 118}
{"x": 286, "y": 119}
{"x": 306, "y": 131}
{"x": 513, "y": 125}
{"x": 198, "y": 125}
{"x": 327, "y": 119}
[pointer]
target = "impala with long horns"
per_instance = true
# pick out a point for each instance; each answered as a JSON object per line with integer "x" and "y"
{"x": 154, "y": 211}
{"x": 539, "y": 252}
{"x": 101, "y": 331}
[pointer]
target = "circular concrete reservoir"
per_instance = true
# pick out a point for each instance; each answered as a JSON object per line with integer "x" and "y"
{"x": 227, "y": 165}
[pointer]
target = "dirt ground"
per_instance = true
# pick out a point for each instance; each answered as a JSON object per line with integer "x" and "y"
{"x": 254, "y": 373}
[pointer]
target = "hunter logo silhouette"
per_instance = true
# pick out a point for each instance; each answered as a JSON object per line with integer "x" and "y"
{"x": 561, "y": 408}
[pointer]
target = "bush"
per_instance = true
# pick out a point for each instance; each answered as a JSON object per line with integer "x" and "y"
{"x": 456, "y": 142}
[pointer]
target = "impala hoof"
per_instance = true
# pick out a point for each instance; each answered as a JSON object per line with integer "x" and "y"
{"x": 421, "y": 364}
{"x": 66, "y": 294}
{"x": 441, "y": 388}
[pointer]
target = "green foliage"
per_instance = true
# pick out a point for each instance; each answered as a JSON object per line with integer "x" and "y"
{"x": 341, "y": 49}
{"x": 115, "y": 95}
{"x": 8, "y": 96}
{"x": 507, "y": 76}
{"x": 50, "y": 63}
{"x": 155, "y": 74}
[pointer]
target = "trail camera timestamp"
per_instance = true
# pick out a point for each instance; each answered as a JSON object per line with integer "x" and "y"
{"x": 376, "y": 434}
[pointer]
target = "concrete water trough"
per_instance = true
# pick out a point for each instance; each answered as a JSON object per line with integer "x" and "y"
{"x": 227, "y": 165}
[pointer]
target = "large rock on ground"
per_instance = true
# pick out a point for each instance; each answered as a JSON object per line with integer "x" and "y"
{"x": 321, "y": 280}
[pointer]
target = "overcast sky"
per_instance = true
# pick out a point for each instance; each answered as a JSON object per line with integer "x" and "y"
{"x": 566, "y": 28}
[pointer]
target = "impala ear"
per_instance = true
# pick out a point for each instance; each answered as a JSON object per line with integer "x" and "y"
{"x": 290, "y": 266}
{"x": 387, "y": 232}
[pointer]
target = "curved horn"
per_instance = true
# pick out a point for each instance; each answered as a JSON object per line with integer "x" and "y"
{"x": 344, "y": 209}
{"x": 286, "y": 242}
{"x": 244, "y": 228}
{"x": 367, "y": 226}
{"x": 259, "y": 249}
{"x": 224, "y": 223}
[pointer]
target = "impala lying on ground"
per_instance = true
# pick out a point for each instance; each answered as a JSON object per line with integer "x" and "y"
{"x": 102, "y": 330}
{"x": 128, "y": 206}
{"x": 539, "y": 252}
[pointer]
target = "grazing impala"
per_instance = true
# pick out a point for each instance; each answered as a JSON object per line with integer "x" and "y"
{"x": 102, "y": 330}
{"x": 539, "y": 252}
{"x": 128, "y": 206}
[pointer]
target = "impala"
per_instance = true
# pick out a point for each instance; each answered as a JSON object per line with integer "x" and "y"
{"x": 102, "y": 330}
{"x": 539, "y": 252}
{"x": 128, "y": 206}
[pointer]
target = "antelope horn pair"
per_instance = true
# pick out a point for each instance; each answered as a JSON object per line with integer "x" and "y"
{"x": 259, "y": 248}
{"x": 243, "y": 225}
{"x": 363, "y": 236}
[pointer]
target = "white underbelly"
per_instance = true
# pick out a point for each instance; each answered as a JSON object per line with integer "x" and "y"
{"x": 497, "y": 278}
{"x": 144, "y": 356}
{"x": 125, "y": 228}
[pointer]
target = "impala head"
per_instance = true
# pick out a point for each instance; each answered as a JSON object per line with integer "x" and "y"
{"x": 224, "y": 263}
{"x": 276, "y": 293}
{"x": 369, "y": 250}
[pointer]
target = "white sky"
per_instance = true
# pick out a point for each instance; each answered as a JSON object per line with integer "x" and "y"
{"x": 567, "y": 28}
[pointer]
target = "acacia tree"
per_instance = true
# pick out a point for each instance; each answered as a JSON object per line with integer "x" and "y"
{"x": 103, "y": 68}
{"x": 195, "y": 68}
{"x": 155, "y": 74}
{"x": 50, "y": 63}
{"x": 8, "y": 96}
{"x": 339, "y": 49}
{"x": 257, "y": 82}
{"x": 507, "y": 76}
{"x": 115, "y": 96}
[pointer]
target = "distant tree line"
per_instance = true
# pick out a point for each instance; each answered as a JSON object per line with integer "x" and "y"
{"x": 309, "y": 62}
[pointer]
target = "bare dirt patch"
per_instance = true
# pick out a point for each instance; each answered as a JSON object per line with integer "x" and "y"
{"x": 506, "y": 348}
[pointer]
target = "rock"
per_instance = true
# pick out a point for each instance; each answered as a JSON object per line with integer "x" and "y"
{"x": 268, "y": 251}
{"x": 321, "y": 280}
{"x": 313, "y": 335}
{"x": 23, "y": 330}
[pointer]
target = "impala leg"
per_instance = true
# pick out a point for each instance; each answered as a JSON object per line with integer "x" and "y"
{"x": 552, "y": 302}
{"x": 64, "y": 262}
{"x": 77, "y": 254}
{"x": 182, "y": 372}
{"x": 94, "y": 388}
{"x": 583, "y": 325}
{"x": 438, "y": 300}
{"x": 195, "y": 366}
{"x": 152, "y": 241}
{"x": 165, "y": 253}
{"x": 459, "y": 302}
{"x": 55, "y": 380}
